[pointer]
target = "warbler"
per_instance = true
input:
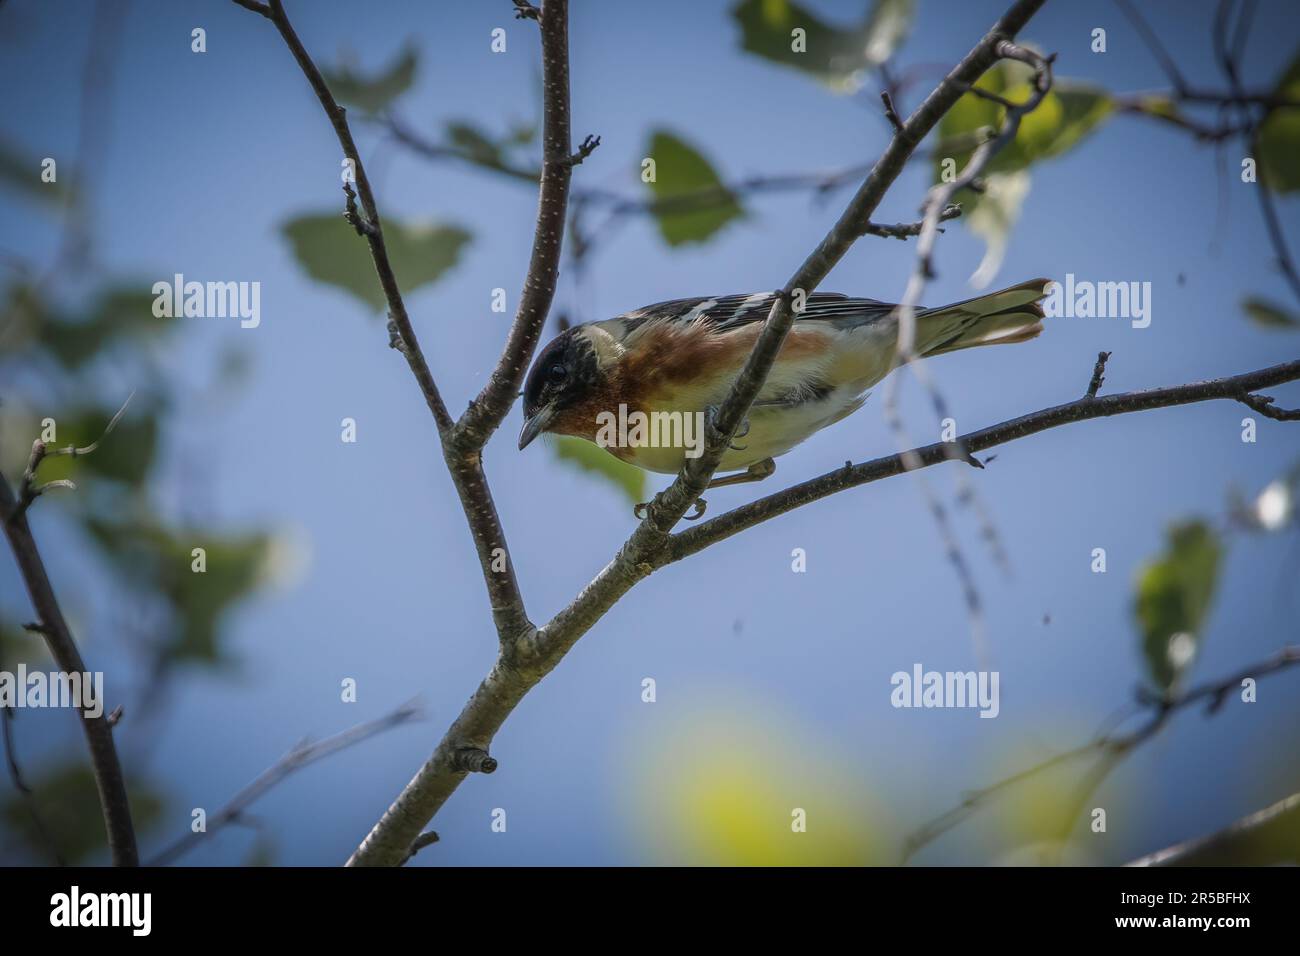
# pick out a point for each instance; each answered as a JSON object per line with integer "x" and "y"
{"x": 682, "y": 356}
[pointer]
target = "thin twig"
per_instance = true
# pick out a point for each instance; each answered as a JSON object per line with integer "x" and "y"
{"x": 1273, "y": 827}
{"x": 529, "y": 658}
{"x": 1098, "y": 374}
{"x": 43, "y": 833}
{"x": 906, "y": 230}
{"x": 1232, "y": 388}
{"x": 462, "y": 456}
{"x": 374, "y": 231}
{"x": 302, "y": 754}
{"x": 1264, "y": 405}
{"x": 494, "y": 402}
{"x": 1109, "y": 747}
{"x": 106, "y": 767}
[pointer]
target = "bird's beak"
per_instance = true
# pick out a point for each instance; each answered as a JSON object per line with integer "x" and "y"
{"x": 535, "y": 426}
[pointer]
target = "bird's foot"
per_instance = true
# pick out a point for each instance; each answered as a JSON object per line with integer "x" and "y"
{"x": 755, "y": 472}
{"x": 643, "y": 508}
{"x": 711, "y": 420}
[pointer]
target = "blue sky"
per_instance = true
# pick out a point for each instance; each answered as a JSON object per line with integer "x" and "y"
{"x": 207, "y": 155}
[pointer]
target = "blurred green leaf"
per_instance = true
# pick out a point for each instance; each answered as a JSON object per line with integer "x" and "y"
{"x": 992, "y": 219}
{"x": 1174, "y": 592}
{"x": 261, "y": 853}
{"x": 126, "y": 454}
{"x": 69, "y": 806}
{"x": 1279, "y": 137}
{"x": 837, "y": 56}
{"x": 1269, "y": 315}
{"x": 681, "y": 171}
{"x": 628, "y": 479}
{"x": 163, "y": 559}
{"x": 116, "y": 315}
{"x": 707, "y": 793}
{"x": 23, "y": 173}
{"x": 476, "y": 144}
{"x": 1067, "y": 114}
{"x": 330, "y": 251}
{"x": 373, "y": 93}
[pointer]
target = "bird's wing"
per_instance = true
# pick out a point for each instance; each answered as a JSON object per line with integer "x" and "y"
{"x": 725, "y": 313}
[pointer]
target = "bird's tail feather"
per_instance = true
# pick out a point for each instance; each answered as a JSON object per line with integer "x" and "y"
{"x": 1009, "y": 315}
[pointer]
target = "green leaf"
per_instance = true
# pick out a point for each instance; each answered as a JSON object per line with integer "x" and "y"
{"x": 1278, "y": 140}
{"x": 592, "y": 458}
{"x": 1174, "y": 592}
{"x": 992, "y": 219}
{"x": 836, "y": 56}
{"x": 23, "y": 173}
{"x": 69, "y": 806}
{"x": 126, "y": 454}
{"x": 1066, "y": 115}
{"x": 331, "y": 251}
{"x": 1269, "y": 315}
{"x": 681, "y": 171}
{"x": 476, "y": 144}
{"x": 372, "y": 94}
{"x": 163, "y": 559}
{"x": 117, "y": 314}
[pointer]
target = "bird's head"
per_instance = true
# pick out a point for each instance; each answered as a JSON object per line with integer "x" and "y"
{"x": 563, "y": 389}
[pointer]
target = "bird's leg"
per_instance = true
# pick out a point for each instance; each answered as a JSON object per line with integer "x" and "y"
{"x": 755, "y": 472}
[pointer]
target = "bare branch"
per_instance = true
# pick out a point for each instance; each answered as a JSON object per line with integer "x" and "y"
{"x": 372, "y": 229}
{"x": 905, "y": 230}
{"x": 1098, "y": 374}
{"x": 891, "y": 114}
{"x": 462, "y": 456}
{"x": 1110, "y": 748}
{"x": 1153, "y": 43}
{"x": 428, "y": 838}
{"x": 746, "y": 516}
{"x": 1264, "y": 405}
{"x": 494, "y": 402}
{"x": 300, "y": 756}
{"x": 53, "y": 628}
{"x": 1273, "y": 827}
{"x": 526, "y": 660}
{"x": 24, "y": 791}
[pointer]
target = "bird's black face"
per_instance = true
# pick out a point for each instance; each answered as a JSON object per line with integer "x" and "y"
{"x": 562, "y": 375}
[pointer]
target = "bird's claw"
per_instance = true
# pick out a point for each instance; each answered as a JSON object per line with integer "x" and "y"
{"x": 711, "y": 419}
{"x": 642, "y": 509}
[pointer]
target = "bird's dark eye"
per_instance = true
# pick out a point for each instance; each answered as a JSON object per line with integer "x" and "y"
{"x": 557, "y": 373}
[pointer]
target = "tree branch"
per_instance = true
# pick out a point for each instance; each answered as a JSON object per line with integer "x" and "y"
{"x": 525, "y": 661}
{"x": 1235, "y": 387}
{"x": 494, "y": 402}
{"x": 105, "y": 765}
{"x": 1110, "y": 747}
{"x": 463, "y": 460}
{"x": 374, "y": 231}
{"x": 300, "y": 756}
{"x": 1274, "y": 828}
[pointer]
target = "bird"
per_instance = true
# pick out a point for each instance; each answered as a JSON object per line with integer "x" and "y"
{"x": 682, "y": 356}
